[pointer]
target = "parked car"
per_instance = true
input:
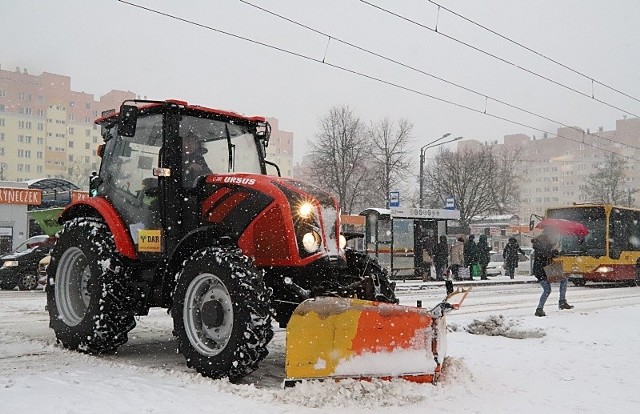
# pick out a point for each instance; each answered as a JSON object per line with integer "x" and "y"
{"x": 495, "y": 266}
{"x": 19, "y": 268}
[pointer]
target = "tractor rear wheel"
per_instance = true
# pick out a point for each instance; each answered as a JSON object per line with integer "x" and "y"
{"x": 27, "y": 280}
{"x": 86, "y": 295}
{"x": 221, "y": 313}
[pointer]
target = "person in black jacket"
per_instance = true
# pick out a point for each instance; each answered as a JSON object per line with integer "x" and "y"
{"x": 470, "y": 253}
{"x": 484, "y": 256}
{"x": 510, "y": 256}
{"x": 441, "y": 257}
{"x": 543, "y": 253}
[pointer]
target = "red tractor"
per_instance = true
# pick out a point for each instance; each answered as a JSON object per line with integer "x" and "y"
{"x": 183, "y": 216}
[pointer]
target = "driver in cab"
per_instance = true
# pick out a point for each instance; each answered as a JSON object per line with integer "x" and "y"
{"x": 193, "y": 163}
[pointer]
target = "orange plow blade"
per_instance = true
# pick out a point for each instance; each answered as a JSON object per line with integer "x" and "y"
{"x": 334, "y": 338}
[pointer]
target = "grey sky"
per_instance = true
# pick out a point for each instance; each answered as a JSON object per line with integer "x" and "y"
{"x": 107, "y": 45}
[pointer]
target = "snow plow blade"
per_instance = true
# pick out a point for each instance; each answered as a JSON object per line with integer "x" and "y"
{"x": 337, "y": 338}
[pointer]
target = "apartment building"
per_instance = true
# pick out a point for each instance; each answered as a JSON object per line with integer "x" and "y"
{"x": 47, "y": 129}
{"x": 555, "y": 168}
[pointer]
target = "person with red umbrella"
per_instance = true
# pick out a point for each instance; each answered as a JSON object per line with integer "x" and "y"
{"x": 543, "y": 252}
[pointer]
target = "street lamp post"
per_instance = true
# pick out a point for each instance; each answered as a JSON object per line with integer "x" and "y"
{"x": 423, "y": 149}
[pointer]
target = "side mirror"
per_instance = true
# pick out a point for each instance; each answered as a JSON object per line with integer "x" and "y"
{"x": 531, "y": 224}
{"x": 128, "y": 120}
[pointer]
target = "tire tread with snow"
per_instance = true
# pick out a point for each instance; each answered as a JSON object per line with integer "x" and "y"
{"x": 87, "y": 297}
{"x": 221, "y": 313}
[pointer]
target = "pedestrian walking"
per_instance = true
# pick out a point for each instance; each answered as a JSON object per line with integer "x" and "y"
{"x": 484, "y": 256}
{"x": 441, "y": 257}
{"x": 543, "y": 253}
{"x": 510, "y": 254}
{"x": 457, "y": 257}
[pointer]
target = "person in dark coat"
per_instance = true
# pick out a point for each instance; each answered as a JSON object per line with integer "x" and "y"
{"x": 510, "y": 256}
{"x": 441, "y": 257}
{"x": 543, "y": 254}
{"x": 484, "y": 256}
{"x": 470, "y": 253}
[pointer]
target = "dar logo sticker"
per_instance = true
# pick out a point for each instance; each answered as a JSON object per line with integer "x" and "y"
{"x": 149, "y": 240}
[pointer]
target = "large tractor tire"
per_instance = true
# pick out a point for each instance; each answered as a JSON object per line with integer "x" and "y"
{"x": 27, "y": 280}
{"x": 86, "y": 294}
{"x": 221, "y": 313}
{"x": 378, "y": 286}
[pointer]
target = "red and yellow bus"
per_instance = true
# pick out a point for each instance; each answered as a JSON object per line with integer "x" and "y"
{"x": 610, "y": 252}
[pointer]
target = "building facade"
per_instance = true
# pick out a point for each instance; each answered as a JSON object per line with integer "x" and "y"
{"x": 47, "y": 129}
{"x": 554, "y": 169}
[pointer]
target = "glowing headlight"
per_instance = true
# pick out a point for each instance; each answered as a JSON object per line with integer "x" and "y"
{"x": 10, "y": 263}
{"x": 305, "y": 209}
{"x": 343, "y": 242}
{"x": 604, "y": 269}
{"x": 311, "y": 241}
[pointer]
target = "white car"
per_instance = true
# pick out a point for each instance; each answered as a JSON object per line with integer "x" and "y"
{"x": 495, "y": 266}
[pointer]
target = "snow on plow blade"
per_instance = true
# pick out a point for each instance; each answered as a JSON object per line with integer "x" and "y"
{"x": 336, "y": 338}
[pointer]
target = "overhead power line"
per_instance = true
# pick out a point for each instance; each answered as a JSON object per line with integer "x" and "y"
{"x": 535, "y": 52}
{"x": 331, "y": 37}
{"x": 508, "y": 62}
{"x": 358, "y": 73}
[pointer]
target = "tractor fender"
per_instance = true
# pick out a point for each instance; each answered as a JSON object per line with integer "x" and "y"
{"x": 100, "y": 207}
{"x": 192, "y": 241}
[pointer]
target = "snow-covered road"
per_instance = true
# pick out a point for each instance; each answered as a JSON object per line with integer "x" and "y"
{"x": 147, "y": 375}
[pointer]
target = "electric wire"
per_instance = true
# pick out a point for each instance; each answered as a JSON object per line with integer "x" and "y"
{"x": 527, "y": 48}
{"x": 508, "y": 62}
{"x": 420, "y": 71}
{"x": 362, "y": 74}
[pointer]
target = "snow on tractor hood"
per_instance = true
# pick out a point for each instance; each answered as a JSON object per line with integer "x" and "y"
{"x": 279, "y": 221}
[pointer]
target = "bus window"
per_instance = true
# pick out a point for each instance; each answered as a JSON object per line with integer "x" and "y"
{"x": 625, "y": 231}
{"x": 594, "y": 218}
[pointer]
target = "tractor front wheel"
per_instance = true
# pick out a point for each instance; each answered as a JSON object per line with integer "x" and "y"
{"x": 221, "y": 313}
{"x": 86, "y": 294}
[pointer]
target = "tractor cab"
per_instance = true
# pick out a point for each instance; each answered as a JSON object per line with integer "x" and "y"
{"x": 162, "y": 150}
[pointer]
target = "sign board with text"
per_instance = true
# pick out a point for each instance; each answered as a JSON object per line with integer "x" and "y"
{"x": 23, "y": 196}
{"x": 394, "y": 199}
{"x": 425, "y": 213}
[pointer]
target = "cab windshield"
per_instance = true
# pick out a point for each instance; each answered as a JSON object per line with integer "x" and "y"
{"x": 225, "y": 146}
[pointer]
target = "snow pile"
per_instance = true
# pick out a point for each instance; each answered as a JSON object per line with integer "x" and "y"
{"x": 497, "y": 325}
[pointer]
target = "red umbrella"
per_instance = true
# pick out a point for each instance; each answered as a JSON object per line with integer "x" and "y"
{"x": 563, "y": 226}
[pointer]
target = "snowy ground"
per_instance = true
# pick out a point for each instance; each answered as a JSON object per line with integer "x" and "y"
{"x": 503, "y": 360}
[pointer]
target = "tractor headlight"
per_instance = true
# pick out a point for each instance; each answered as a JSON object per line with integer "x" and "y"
{"x": 311, "y": 241}
{"x": 604, "y": 269}
{"x": 343, "y": 241}
{"x": 10, "y": 263}
{"x": 305, "y": 209}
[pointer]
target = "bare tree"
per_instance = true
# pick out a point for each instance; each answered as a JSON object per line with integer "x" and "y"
{"x": 392, "y": 164}
{"x": 78, "y": 173}
{"x": 471, "y": 177}
{"x": 505, "y": 189}
{"x": 339, "y": 158}
{"x": 607, "y": 183}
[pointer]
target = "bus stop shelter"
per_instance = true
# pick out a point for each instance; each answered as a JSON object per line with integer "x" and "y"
{"x": 398, "y": 236}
